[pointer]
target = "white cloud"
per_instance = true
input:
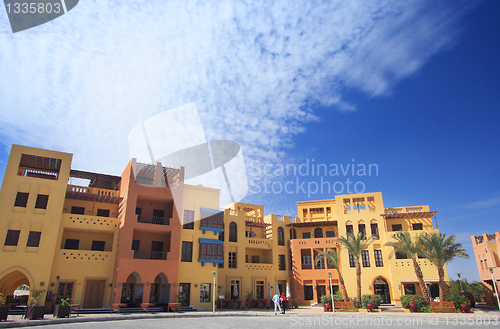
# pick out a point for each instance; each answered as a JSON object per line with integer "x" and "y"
{"x": 251, "y": 68}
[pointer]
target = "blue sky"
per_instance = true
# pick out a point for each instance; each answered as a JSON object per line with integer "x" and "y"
{"x": 411, "y": 86}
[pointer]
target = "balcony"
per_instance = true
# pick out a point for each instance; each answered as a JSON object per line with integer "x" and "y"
{"x": 259, "y": 242}
{"x": 153, "y": 220}
{"x": 259, "y": 266}
{"x": 89, "y": 222}
{"x": 156, "y": 255}
{"x": 93, "y": 194}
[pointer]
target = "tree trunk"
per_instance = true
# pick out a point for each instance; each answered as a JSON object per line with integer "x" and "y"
{"x": 342, "y": 287}
{"x": 420, "y": 277}
{"x": 358, "y": 282}
{"x": 442, "y": 284}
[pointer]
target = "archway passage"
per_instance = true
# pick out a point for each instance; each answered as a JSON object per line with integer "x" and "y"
{"x": 381, "y": 287}
{"x": 8, "y": 285}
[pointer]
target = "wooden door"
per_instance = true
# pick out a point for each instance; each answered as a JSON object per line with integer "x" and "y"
{"x": 94, "y": 294}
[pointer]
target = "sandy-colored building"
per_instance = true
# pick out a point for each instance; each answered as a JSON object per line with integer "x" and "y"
{"x": 487, "y": 250}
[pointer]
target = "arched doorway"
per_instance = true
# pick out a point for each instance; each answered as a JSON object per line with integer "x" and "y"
{"x": 381, "y": 287}
{"x": 160, "y": 290}
{"x": 9, "y": 283}
{"x": 131, "y": 290}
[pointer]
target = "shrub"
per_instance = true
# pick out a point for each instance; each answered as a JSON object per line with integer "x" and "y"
{"x": 370, "y": 299}
{"x": 426, "y": 309}
{"x": 326, "y": 299}
{"x": 338, "y": 296}
{"x": 457, "y": 300}
{"x": 406, "y": 300}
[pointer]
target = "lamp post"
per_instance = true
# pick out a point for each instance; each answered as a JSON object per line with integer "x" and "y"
{"x": 460, "y": 280}
{"x": 331, "y": 292}
{"x": 494, "y": 285}
{"x": 213, "y": 294}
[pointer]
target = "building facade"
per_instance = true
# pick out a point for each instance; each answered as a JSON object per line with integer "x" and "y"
{"x": 486, "y": 251}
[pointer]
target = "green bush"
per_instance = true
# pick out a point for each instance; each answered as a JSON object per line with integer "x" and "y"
{"x": 326, "y": 299}
{"x": 370, "y": 299}
{"x": 457, "y": 300}
{"x": 426, "y": 309}
{"x": 406, "y": 300}
{"x": 337, "y": 296}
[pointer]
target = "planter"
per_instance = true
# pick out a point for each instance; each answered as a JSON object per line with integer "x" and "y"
{"x": 4, "y": 311}
{"x": 61, "y": 311}
{"x": 413, "y": 307}
{"x": 370, "y": 307}
{"x": 327, "y": 308}
{"x": 464, "y": 308}
{"x": 34, "y": 312}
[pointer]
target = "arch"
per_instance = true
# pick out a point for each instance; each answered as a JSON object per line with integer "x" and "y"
{"x": 361, "y": 221}
{"x": 380, "y": 281}
{"x": 293, "y": 234}
{"x": 233, "y": 232}
{"x": 13, "y": 278}
{"x": 318, "y": 232}
{"x": 161, "y": 278}
{"x": 134, "y": 277}
{"x": 373, "y": 220}
{"x": 281, "y": 236}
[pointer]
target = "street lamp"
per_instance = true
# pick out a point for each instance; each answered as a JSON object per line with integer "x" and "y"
{"x": 213, "y": 294}
{"x": 331, "y": 291}
{"x": 460, "y": 280}
{"x": 494, "y": 285}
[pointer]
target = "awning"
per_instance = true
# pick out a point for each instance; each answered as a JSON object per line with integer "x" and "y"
{"x": 416, "y": 214}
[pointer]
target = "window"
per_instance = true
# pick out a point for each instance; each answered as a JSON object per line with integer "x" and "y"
{"x": 259, "y": 289}
{"x": 256, "y": 259}
{"x": 188, "y": 220}
{"x": 212, "y": 220}
{"x": 318, "y": 233}
{"x": 33, "y": 239}
{"x": 12, "y": 237}
{"x": 378, "y": 258}
{"x": 103, "y": 212}
{"x": 400, "y": 255}
{"x": 71, "y": 244}
{"x": 365, "y": 258}
{"x": 21, "y": 199}
{"x": 281, "y": 236}
{"x": 349, "y": 229}
{"x": 187, "y": 251}
{"x": 205, "y": 292}
{"x": 221, "y": 236}
{"x": 293, "y": 234}
{"x": 41, "y": 201}
{"x": 249, "y": 234}
{"x": 232, "y": 260}
{"x": 281, "y": 262}
{"x": 306, "y": 260}
{"x": 135, "y": 245}
{"x": 98, "y": 245}
{"x": 306, "y": 235}
{"x": 330, "y": 234}
{"x": 65, "y": 290}
{"x": 374, "y": 229}
{"x": 417, "y": 226}
{"x": 233, "y": 232}
{"x": 211, "y": 251}
{"x": 78, "y": 210}
{"x": 352, "y": 260}
{"x": 308, "y": 293}
{"x": 319, "y": 262}
{"x": 362, "y": 230}
{"x": 397, "y": 227}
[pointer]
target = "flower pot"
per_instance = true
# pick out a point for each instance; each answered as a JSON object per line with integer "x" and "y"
{"x": 413, "y": 307}
{"x": 464, "y": 308}
{"x": 4, "y": 311}
{"x": 327, "y": 308}
{"x": 370, "y": 307}
{"x": 35, "y": 312}
{"x": 61, "y": 311}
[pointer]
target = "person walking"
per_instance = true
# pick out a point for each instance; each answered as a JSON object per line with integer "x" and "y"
{"x": 283, "y": 302}
{"x": 276, "y": 301}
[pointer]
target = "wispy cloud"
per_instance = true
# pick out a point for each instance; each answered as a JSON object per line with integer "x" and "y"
{"x": 491, "y": 202}
{"x": 252, "y": 68}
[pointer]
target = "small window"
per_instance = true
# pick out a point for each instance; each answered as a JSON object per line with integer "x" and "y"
{"x": 374, "y": 229}
{"x": 349, "y": 229}
{"x": 362, "y": 230}
{"x": 308, "y": 293}
{"x": 21, "y": 199}
{"x": 78, "y": 210}
{"x": 293, "y": 234}
{"x": 281, "y": 262}
{"x": 281, "y": 236}
{"x": 41, "y": 201}
{"x": 12, "y": 237}
{"x": 306, "y": 235}
{"x": 330, "y": 234}
{"x": 135, "y": 245}
{"x": 187, "y": 251}
{"x": 400, "y": 255}
{"x": 103, "y": 212}
{"x": 378, "y": 258}
{"x": 318, "y": 233}
{"x": 33, "y": 239}
{"x": 188, "y": 223}
{"x": 232, "y": 260}
{"x": 98, "y": 245}
{"x": 158, "y": 213}
{"x": 352, "y": 260}
{"x": 233, "y": 232}
{"x": 397, "y": 227}
{"x": 71, "y": 244}
{"x": 417, "y": 226}
{"x": 365, "y": 258}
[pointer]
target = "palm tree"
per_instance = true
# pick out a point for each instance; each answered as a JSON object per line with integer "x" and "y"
{"x": 411, "y": 248}
{"x": 439, "y": 250}
{"x": 332, "y": 256}
{"x": 356, "y": 245}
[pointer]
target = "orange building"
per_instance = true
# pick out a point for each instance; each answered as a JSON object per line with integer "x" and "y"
{"x": 487, "y": 251}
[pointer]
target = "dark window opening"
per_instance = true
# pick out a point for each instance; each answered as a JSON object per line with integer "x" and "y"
{"x": 98, "y": 245}
{"x": 400, "y": 255}
{"x": 41, "y": 201}
{"x": 417, "y": 226}
{"x": 78, "y": 210}
{"x": 71, "y": 244}
{"x": 281, "y": 262}
{"x": 103, "y": 212}
{"x": 187, "y": 251}
{"x": 308, "y": 293}
{"x": 374, "y": 229}
{"x": 378, "y": 258}
{"x": 349, "y": 229}
{"x": 233, "y": 232}
{"x": 362, "y": 230}
{"x": 12, "y": 237}
{"x": 306, "y": 235}
{"x": 33, "y": 239}
{"x": 397, "y": 227}
{"x": 318, "y": 233}
{"x": 21, "y": 199}
{"x": 135, "y": 245}
{"x": 281, "y": 236}
{"x": 330, "y": 234}
{"x": 365, "y": 258}
{"x": 352, "y": 260}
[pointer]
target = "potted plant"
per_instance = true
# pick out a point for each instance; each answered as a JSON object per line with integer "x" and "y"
{"x": 4, "y": 310}
{"x": 371, "y": 302}
{"x": 35, "y": 311}
{"x": 296, "y": 302}
{"x": 63, "y": 310}
{"x": 413, "y": 307}
{"x": 326, "y": 300}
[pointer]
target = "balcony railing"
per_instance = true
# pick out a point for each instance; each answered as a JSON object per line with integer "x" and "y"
{"x": 260, "y": 242}
{"x": 160, "y": 255}
{"x": 153, "y": 220}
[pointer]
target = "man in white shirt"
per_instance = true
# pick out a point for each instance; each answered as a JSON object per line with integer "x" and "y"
{"x": 276, "y": 301}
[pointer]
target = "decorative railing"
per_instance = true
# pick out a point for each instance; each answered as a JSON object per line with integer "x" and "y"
{"x": 159, "y": 255}
{"x": 92, "y": 190}
{"x": 153, "y": 220}
{"x": 260, "y": 242}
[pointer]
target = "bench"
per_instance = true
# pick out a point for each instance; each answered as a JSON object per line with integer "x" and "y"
{"x": 117, "y": 307}
{"x": 440, "y": 307}
{"x": 344, "y": 306}
{"x": 175, "y": 306}
{"x": 73, "y": 306}
{"x": 146, "y": 306}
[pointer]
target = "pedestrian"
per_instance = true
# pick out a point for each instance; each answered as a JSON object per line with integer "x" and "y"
{"x": 283, "y": 302}
{"x": 276, "y": 301}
